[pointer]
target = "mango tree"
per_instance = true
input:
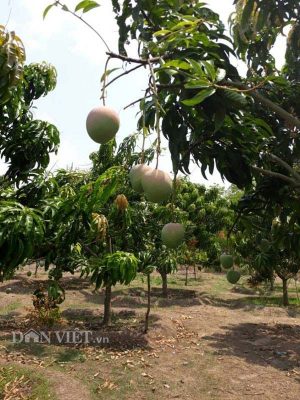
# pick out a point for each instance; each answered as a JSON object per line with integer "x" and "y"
{"x": 208, "y": 212}
{"x": 25, "y": 144}
{"x": 117, "y": 267}
{"x": 246, "y": 127}
{"x": 268, "y": 236}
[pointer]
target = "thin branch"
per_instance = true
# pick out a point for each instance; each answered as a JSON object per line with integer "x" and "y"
{"x": 124, "y": 73}
{"x": 147, "y": 18}
{"x": 142, "y": 61}
{"x": 233, "y": 225}
{"x": 65, "y": 8}
{"x": 137, "y": 101}
{"x": 170, "y": 86}
{"x": 92, "y": 253}
{"x": 155, "y": 94}
{"x": 104, "y": 81}
{"x": 246, "y": 88}
{"x": 144, "y": 131}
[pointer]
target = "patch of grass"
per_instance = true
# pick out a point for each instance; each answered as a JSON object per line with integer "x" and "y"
{"x": 156, "y": 280}
{"x": 220, "y": 286}
{"x": 10, "y": 307}
{"x": 291, "y": 288}
{"x": 59, "y": 354}
{"x": 79, "y": 305}
{"x": 120, "y": 384}
{"x": 25, "y": 383}
{"x": 35, "y": 349}
{"x": 70, "y": 355}
{"x": 270, "y": 301}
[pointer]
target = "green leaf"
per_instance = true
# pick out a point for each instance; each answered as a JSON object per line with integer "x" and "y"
{"x": 246, "y": 17}
{"x": 210, "y": 69}
{"x": 221, "y": 74}
{"x": 184, "y": 24}
{"x": 219, "y": 118}
{"x": 107, "y": 73}
{"x": 47, "y": 9}
{"x": 86, "y": 5}
{"x": 162, "y": 32}
{"x": 199, "y": 98}
{"x": 197, "y": 84}
{"x": 177, "y": 64}
{"x": 196, "y": 67}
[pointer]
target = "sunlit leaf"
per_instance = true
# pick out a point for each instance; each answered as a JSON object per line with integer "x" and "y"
{"x": 86, "y": 5}
{"x": 47, "y": 9}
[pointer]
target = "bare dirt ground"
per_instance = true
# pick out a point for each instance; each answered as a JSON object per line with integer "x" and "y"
{"x": 207, "y": 340}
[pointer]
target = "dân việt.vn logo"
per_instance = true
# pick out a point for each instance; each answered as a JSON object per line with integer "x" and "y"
{"x": 59, "y": 337}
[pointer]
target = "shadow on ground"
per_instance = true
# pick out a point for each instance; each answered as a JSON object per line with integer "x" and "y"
{"x": 275, "y": 345}
{"x": 125, "y": 331}
{"x": 137, "y": 298}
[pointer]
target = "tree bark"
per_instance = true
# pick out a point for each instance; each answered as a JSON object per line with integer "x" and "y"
{"x": 164, "y": 278}
{"x": 148, "y": 304}
{"x": 285, "y": 294}
{"x": 107, "y": 306}
{"x": 36, "y": 269}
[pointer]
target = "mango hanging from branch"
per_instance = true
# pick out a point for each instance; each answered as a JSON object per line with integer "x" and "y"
{"x": 102, "y": 124}
{"x": 135, "y": 176}
{"x": 157, "y": 185}
{"x": 172, "y": 235}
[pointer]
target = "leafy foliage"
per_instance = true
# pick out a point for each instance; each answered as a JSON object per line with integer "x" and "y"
{"x": 25, "y": 143}
{"x": 202, "y": 118}
{"x": 208, "y": 213}
{"x": 21, "y": 230}
{"x": 255, "y": 28}
{"x": 118, "y": 267}
{"x": 12, "y": 58}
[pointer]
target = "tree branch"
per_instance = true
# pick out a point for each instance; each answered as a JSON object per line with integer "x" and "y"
{"x": 285, "y": 165}
{"x": 276, "y": 175}
{"x": 65, "y": 8}
{"x": 137, "y": 101}
{"x": 142, "y": 61}
{"x": 272, "y": 106}
{"x": 92, "y": 253}
{"x": 124, "y": 73}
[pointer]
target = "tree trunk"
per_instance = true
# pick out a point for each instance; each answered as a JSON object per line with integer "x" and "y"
{"x": 36, "y": 269}
{"x": 195, "y": 272}
{"x": 285, "y": 297}
{"x": 148, "y": 303}
{"x": 186, "y": 275}
{"x": 164, "y": 278}
{"x": 107, "y": 306}
{"x": 272, "y": 281}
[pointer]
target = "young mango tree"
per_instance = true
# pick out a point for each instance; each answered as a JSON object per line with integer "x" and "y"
{"x": 267, "y": 236}
{"x": 208, "y": 212}
{"x": 118, "y": 267}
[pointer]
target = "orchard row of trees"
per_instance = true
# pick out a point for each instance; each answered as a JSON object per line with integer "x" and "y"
{"x": 245, "y": 127}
